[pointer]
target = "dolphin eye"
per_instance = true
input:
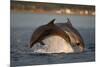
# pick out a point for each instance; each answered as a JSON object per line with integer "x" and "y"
{"x": 78, "y": 44}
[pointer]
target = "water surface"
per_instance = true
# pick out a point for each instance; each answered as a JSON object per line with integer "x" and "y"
{"x": 22, "y": 26}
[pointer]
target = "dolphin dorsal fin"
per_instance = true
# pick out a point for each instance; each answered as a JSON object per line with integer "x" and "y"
{"x": 51, "y": 22}
{"x": 68, "y": 22}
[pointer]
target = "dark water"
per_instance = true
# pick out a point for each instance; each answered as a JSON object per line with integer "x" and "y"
{"x": 22, "y": 55}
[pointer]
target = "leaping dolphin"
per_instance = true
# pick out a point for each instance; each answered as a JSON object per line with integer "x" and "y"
{"x": 46, "y": 30}
{"x": 64, "y": 30}
{"x": 75, "y": 37}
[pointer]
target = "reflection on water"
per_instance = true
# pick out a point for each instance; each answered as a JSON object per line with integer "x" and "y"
{"x": 22, "y": 55}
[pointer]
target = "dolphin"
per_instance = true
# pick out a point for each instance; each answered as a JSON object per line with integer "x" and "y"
{"x": 46, "y": 30}
{"x": 75, "y": 37}
{"x": 64, "y": 30}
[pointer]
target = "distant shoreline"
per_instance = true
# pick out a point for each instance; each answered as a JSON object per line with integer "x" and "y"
{"x": 22, "y": 11}
{"x": 52, "y": 8}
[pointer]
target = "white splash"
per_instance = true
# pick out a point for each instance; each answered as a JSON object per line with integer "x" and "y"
{"x": 53, "y": 44}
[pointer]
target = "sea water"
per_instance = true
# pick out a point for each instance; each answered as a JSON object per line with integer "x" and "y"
{"x": 22, "y": 27}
